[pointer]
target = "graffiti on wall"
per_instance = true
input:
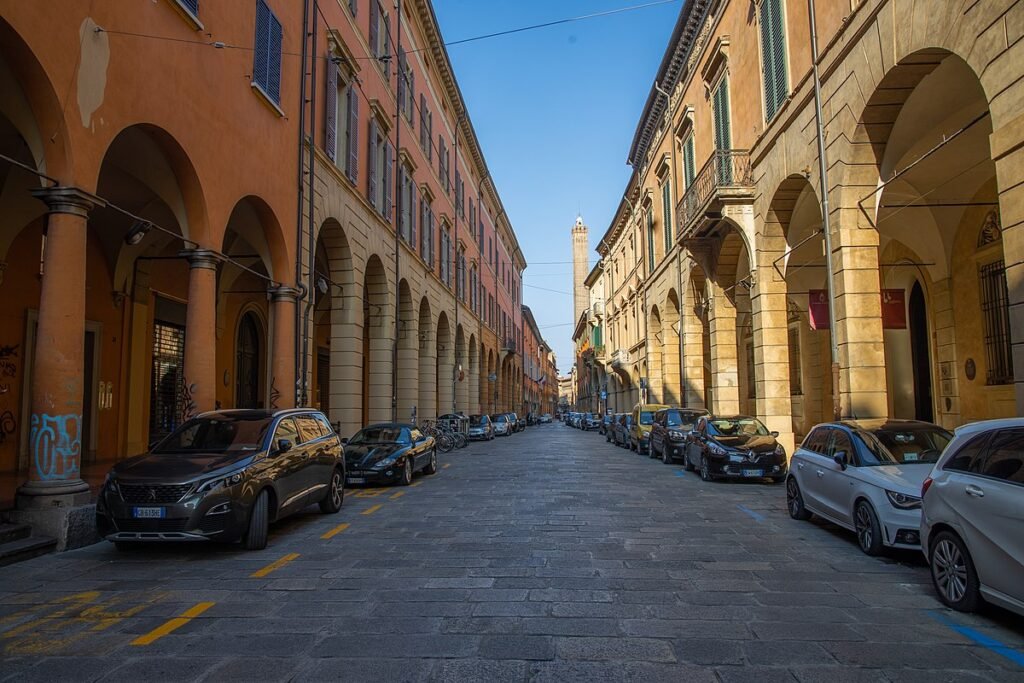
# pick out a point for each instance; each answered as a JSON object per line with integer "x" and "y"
{"x": 188, "y": 404}
{"x": 8, "y": 425}
{"x": 56, "y": 445}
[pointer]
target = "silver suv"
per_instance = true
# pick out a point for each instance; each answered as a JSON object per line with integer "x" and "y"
{"x": 972, "y": 521}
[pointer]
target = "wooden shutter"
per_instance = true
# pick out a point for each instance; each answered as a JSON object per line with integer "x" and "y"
{"x": 412, "y": 211}
{"x": 374, "y": 28}
{"x": 458, "y": 190}
{"x": 423, "y": 123}
{"x": 430, "y": 136}
{"x": 723, "y": 133}
{"x": 387, "y": 46}
{"x": 666, "y": 212}
{"x": 352, "y": 135}
{"x": 689, "y": 165}
{"x": 331, "y": 112}
{"x": 262, "y": 44}
{"x": 403, "y": 208}
{"x": 401, "y": 80}
{"x": 389, "y": 179}
{"x": 412, "y": 94}
{"x": 779, "y": 53}
{"x": 371, "y": 162}
{"x": 353, "y": 7}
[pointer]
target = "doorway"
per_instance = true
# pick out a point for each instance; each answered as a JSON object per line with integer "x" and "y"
{"x": 920, "y": 354}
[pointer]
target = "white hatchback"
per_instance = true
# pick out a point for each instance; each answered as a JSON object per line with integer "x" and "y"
{"x": 972, "y": 524}
{"x": 866, "y": 476}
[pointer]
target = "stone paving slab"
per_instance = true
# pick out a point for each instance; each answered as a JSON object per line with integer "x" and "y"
{"x": 547, "y": 556}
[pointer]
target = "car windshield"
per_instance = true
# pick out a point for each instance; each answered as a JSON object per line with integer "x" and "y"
{"x": 380, "y": 434}
{"x": 477, "y": 420}
{"x": 741, "y": 426}
{"x": 675, "y": 418}
{"x": 646, "y": 417}
{"x": 888, "y": 446}
{"x": 217, "y": 434}
{"x": 499, "y": 418}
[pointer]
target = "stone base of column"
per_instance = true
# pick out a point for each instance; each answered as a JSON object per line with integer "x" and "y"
{"x": 68, "y": 517}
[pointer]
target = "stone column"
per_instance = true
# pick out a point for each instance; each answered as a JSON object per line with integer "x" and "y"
{"x": 346, "y": 359}
{"x": 693, "y": 360}
{"x": 408, "y": 366}
{"x": 770, "y": 315}
{"x": 725, "y": 394}
{"x": 473, "y": 378}
{"x": 427, "y": 364}
{"x": 200, "y": 374}
{"x": 282, "y": 375}
{"x": 445, "y": 367}
{"x": 55, "y": 440}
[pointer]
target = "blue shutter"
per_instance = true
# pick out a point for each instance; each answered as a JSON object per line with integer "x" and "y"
{"x": 192, "y": 6}
{"x": 352, "y": 135}
{"x": 262, "y": 46}
{"x": 274, "y": 60}
{"x": 331, "y": 112}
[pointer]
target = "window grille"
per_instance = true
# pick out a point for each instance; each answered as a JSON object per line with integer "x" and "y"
{"x": 166, "y": 396}
{"x": 996, "y": 315}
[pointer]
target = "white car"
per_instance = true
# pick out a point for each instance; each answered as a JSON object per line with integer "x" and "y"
{"x": 972, "y": 523}
{"x": 502, "y": 426}
{"x": 866, "y": 476}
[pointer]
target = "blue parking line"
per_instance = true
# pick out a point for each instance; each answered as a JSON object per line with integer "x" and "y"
{"x": 758, "y": 517}
{"x": 680, "y": 473}
{"x": 980, "y": 638}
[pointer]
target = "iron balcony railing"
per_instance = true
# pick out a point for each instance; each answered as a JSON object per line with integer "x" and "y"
{"x": 620, "y": 357}
{"x": 727, "y": 169}
{"x": 509, "y": 344}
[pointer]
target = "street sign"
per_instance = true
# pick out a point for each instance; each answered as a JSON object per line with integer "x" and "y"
{"x": 604, "y": 395}
{"x": 492, "y": 377}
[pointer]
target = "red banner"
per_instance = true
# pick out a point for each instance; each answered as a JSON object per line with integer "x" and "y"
{"x": 894, "y": 309}
{"x": 817, "y": 309}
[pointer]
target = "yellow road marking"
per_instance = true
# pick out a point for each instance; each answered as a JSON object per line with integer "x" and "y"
{"x": 370, "y": 493}
{"x": 412, "y": 486}
{"x": 370, "y": 511}
{"x": 396, "y": 496}
{"x": 275, "y": 565}
{"x": 173, "y": 624}
{"x": 335, "y": 531}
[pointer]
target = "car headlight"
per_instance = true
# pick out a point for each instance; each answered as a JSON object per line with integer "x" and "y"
{"x": 221, "y": 482}
{"x": 384, "y": 463}
{"x": 780, "y": 450}
{"x": 902, "y": 500}
{"x": 110, "y": 484}
{"x": 715, "y": 449}
{"x": 674, "y": 434}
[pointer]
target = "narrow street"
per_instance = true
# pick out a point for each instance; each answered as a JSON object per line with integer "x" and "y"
{"x": 549, "y": 555}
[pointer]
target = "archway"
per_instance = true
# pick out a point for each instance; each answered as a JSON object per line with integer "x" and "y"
{"x": 337, "y": 337}
{"x": 460, "y": 369}
{"x": 445, "y": 366}
{"x": 408, "y": 373}
{"x": 377, "y": 340}
{"x": 654, "y": 369}
{"x": 250, "y": 360}
{"x": 697, "y": 391}
{"x": 670, "y": 352}
{"x": 427, "y": 390}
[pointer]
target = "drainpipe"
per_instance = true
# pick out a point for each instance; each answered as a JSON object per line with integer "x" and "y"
{"x": 311, "y": 287}
{"x": 455, "y": 244}
{"x": 396, "y": 206}
{"x": 299, "y": 332}
{"x": 823, "y": 170}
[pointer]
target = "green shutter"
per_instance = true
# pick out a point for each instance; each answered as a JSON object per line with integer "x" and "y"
{"x": 689, "y": 165}
{"x": 773, "y": 49}
{"x": 666, "y": 208}
{"x": 650, "y": 237}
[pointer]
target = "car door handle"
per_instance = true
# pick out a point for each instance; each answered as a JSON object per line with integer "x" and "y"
{"x": 799, "y": 465}
{"x": 972, "y": 490}
{"x": 821, "y": 473}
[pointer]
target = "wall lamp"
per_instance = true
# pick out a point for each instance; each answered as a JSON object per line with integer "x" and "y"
{"x": 137, "y": 233}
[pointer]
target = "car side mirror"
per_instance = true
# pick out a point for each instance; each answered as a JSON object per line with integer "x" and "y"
{"x": 775, "y": 434}
{"x": 840, "y": 459}
{"x": 344, "y": 441}
{"x": 284, "y": 445}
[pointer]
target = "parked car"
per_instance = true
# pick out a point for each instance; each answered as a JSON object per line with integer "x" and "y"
{"x": 640, "y": 431}
{"x": 609, "y": 431}
{"x": 480, "y": 428}
{"x": 606, "y": 421}
{"x": 866, "y": 476}
{"x": 521, "y": 423}
{"x": 225, "y": 476}
{"x": 972, "y": 521}
{"x": 591, "y": 421}
{"x": 502, "y": 425}
{"x": 389, "y": 453}
{"x": 735, "y": 447}
{"x": 670, "y": 430}
{"x": 622, "y": 429}
{"x": 545, "y": 419}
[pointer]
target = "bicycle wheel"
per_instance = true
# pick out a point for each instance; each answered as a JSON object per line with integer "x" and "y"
{"x": 444, "y": 443}
{"x": 460, "y": 440}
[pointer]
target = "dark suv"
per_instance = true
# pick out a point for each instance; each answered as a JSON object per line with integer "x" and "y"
{"x": 670, "y": 431}
{"x": 224, "y": 476}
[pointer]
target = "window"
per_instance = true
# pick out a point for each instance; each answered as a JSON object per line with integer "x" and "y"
{"x": 795, "y": 385}
{"x": 407, "y": 205}
{"x": 446, "y": 255}
{"x": 460, "y": 275}
{"x": 650, "y": 239}
{"x": 286, "y": 430}
{"x": 442, "y": 164}
{"x": 817, "y": 441}
{"x": 341, "y": 120}
{"x": 460, "y": 193}
{"x": 689, "y": 166}
{"x": 841, "y": 444}
{"x": 995, "y": 312}
{"x": 969, "y": 457}
{"x": 380, "y": 34}
{"x": 309, "y": 428}
{"x": 406, "y": 86}
{"x": 381, "y": 170}
{"x": 474, "y": 290}
{"x": 723, "y": 129}
{"x": 426, "y": 129}
{"x": 426, "y": 231}
{"x": 266, "y": 70}
{"x": 773, "y": 56}
{"x": 472, "y": 216}
{"x": 1005, "y": 458}
{"x": 192, "y": 6}
{"x": 666, "y": 213}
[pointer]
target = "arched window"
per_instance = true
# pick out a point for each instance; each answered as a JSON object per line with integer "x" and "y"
{"x": 248, "y": 361}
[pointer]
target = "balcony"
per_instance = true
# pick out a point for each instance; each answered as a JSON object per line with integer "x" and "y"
{"x": 620, "y": 358}
{"x": 508, "y": 345}
{"x": 725, "y": 179}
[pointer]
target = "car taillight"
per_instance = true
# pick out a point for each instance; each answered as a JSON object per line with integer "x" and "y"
{"x": 925, "y": 486}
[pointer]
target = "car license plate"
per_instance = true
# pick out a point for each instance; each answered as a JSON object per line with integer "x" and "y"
{"x": 148, "y": 513}
{"x": 357, "y": 480}
{"x": 753, "y": 473}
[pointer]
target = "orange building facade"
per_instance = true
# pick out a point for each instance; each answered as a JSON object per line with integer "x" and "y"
{"x": 255, "y": 204}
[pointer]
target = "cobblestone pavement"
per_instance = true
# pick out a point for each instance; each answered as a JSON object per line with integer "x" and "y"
{"x": 546, "y": 556}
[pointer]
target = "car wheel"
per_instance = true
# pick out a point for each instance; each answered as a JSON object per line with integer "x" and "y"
{"x": 335, "y": 495}
{"x": 431, "y": 467}
{"x": 259, "y": 523}
{"x": 953, "y": 573}
{"x": 795, "y": 501}
{"x": 869, "y": 533}
{"x": 406, "y": 473}
{"x": 665, "y": 456}
{"x": 705, "y": 471}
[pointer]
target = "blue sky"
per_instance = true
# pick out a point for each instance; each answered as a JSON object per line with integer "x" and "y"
{"x": 555, "y": 110}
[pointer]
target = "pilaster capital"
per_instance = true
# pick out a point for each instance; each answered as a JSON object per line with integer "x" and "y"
{"x": 283, "y": 294}
{"x": 201, "y": 258}
{"x": 69, "y": 200}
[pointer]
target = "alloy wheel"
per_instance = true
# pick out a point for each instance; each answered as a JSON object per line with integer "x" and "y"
{"x": 863, "y": 524}
{"x": 336, "y": 489}
{"x": 949, "y": 568}
{"x": 705, "y": 471}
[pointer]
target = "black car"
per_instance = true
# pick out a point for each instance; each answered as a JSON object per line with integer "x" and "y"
{"x": 224, "y": 476}
{"x": 388, "y": 453}
{"x": 670, "y": 431}
{"x": 735, "y": 447}
{"x": 609, "y": 429}
{"x": 620, "y": 431}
